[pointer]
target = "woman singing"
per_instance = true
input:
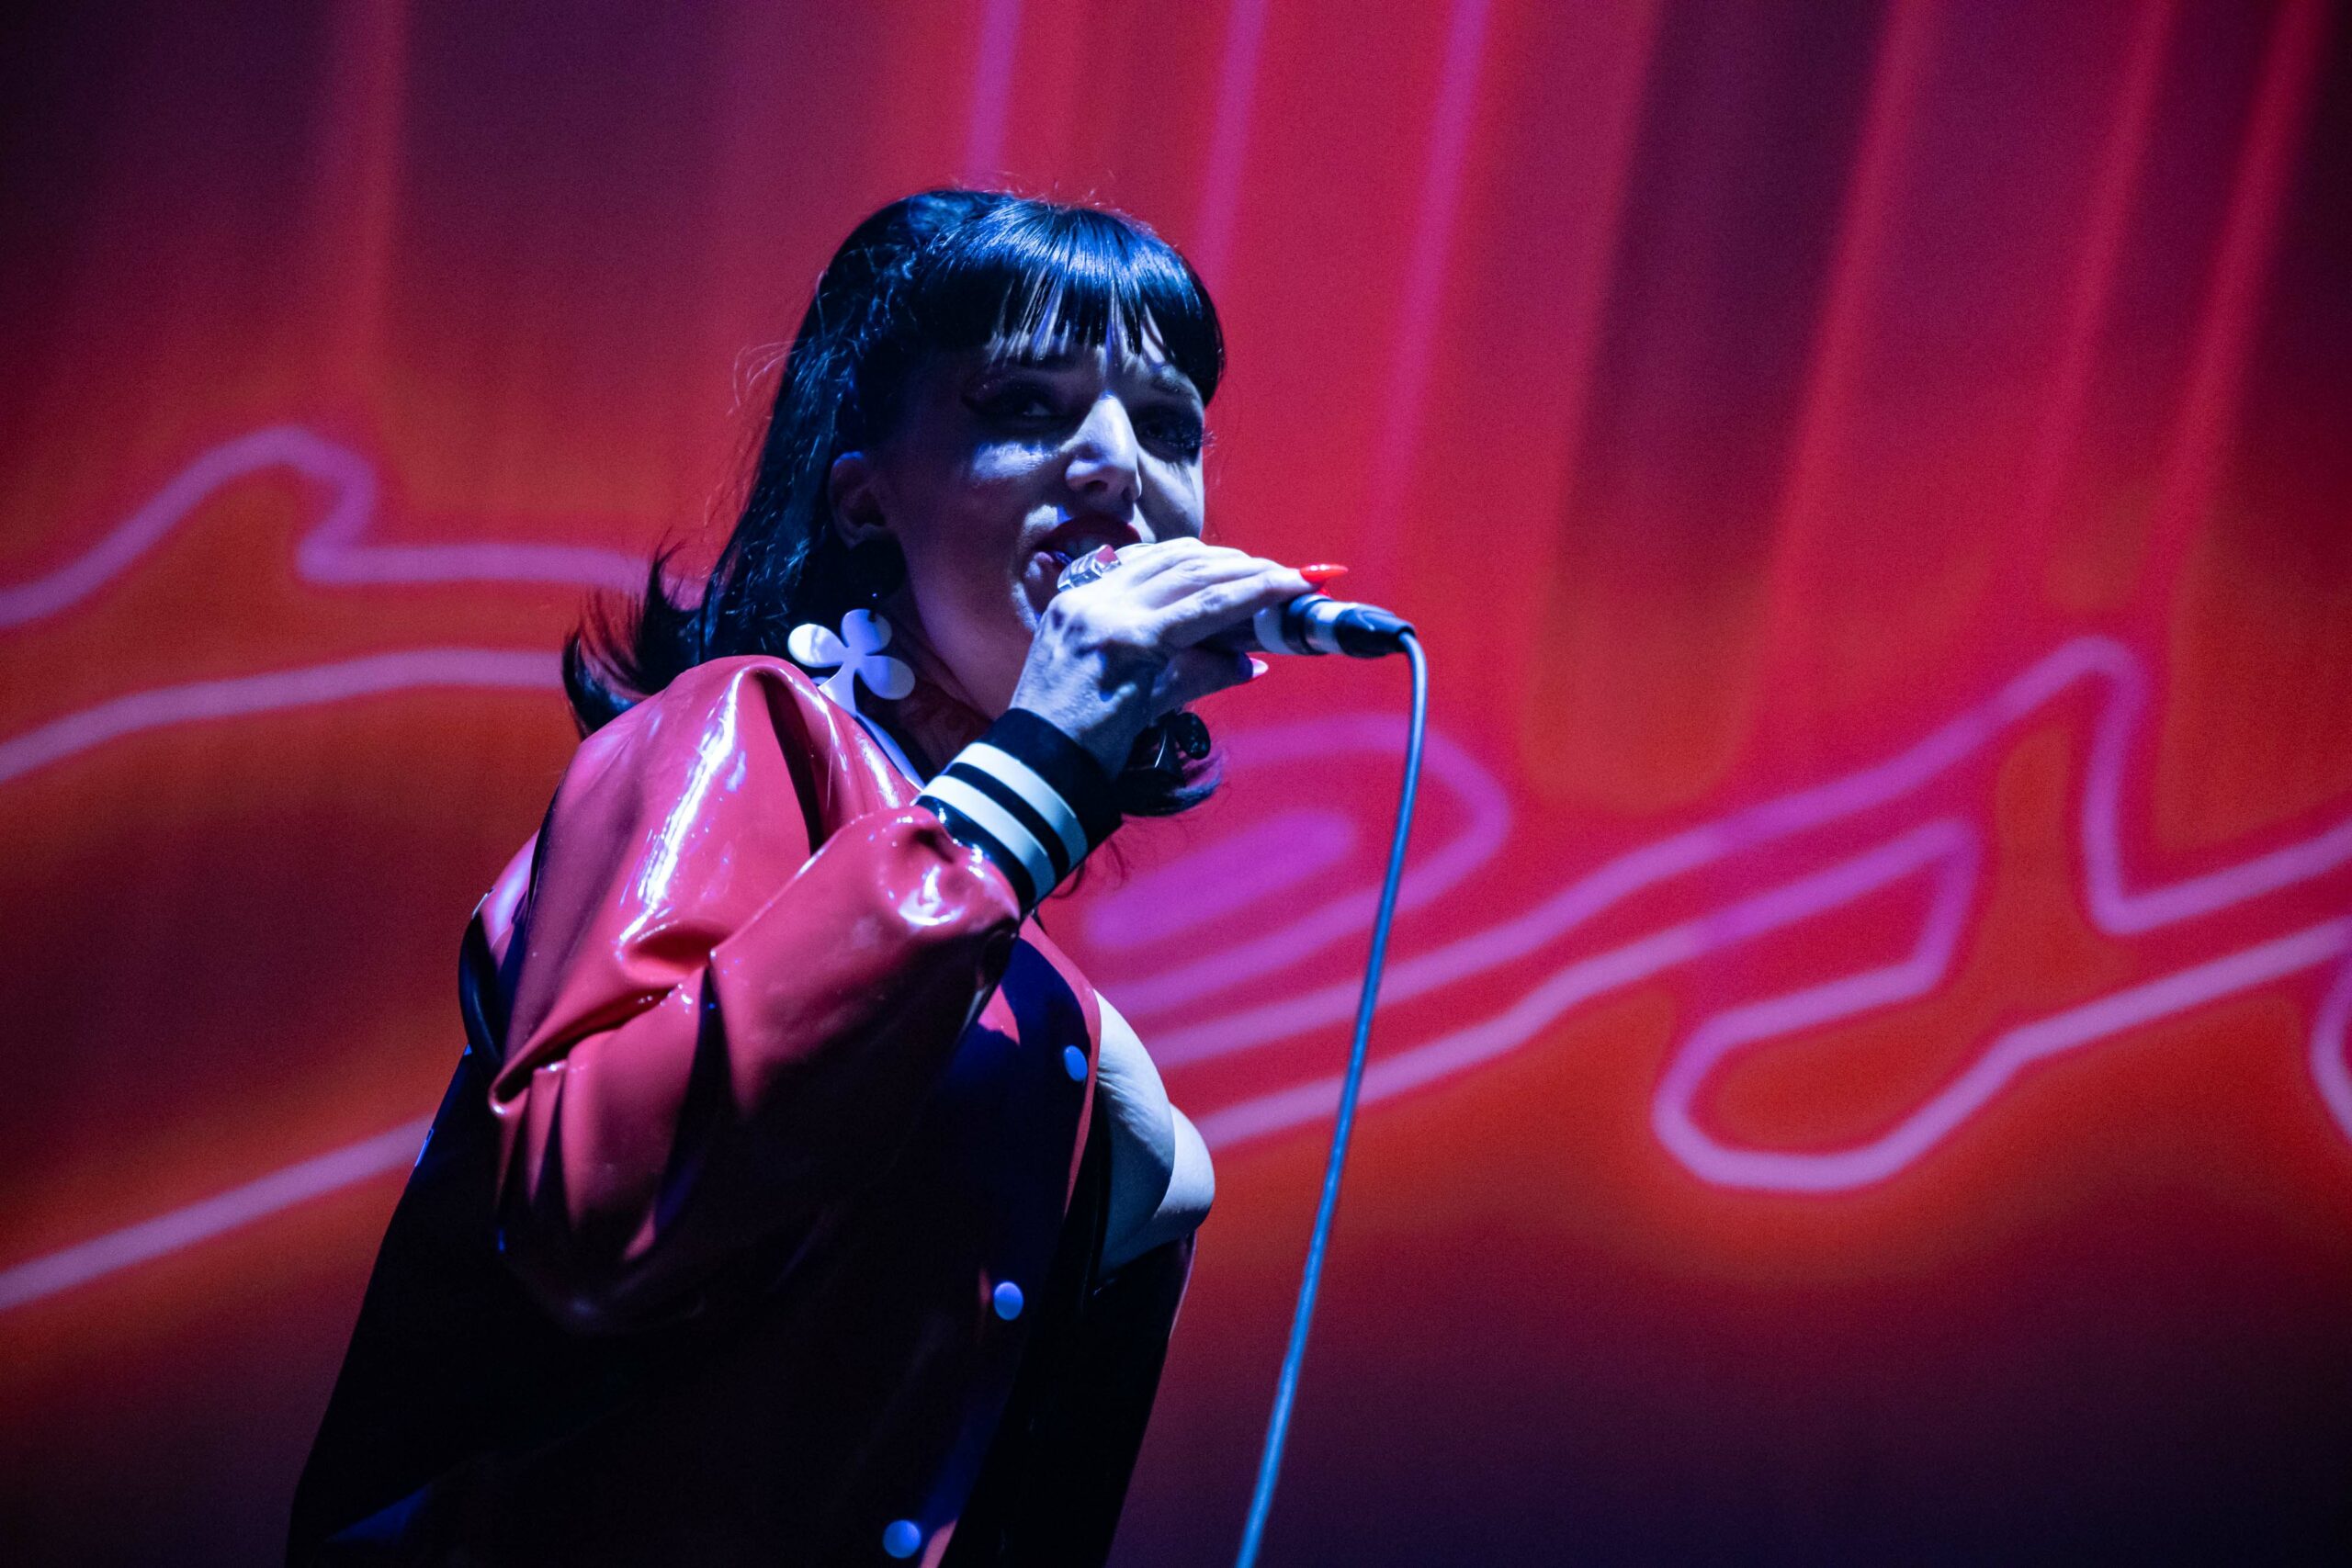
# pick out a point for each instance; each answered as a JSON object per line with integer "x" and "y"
{"x": 796, "y": 1200}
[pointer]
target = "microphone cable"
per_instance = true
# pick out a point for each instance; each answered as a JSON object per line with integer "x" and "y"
{"x": 1270, "y": 1461}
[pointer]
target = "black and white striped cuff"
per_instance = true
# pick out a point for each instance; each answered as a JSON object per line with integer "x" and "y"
{"x": 1030, "y": 799}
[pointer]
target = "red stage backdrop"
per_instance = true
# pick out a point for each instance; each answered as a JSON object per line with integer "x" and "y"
{"x": 1864, "y": 1073}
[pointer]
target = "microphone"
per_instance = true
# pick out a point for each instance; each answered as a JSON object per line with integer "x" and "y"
{"x": 1312, "y": 623}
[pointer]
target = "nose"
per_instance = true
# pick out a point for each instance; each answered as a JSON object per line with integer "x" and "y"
{"x": 1103, "y": 469}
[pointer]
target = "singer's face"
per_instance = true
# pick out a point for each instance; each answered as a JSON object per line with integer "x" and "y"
{"x": 1009, "y": 461}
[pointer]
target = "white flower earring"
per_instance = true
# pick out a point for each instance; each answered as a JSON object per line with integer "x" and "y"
{"x": 854, "y": 656}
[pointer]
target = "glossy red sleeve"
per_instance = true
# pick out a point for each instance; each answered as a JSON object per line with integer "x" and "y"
{"x": 736, "y": 989}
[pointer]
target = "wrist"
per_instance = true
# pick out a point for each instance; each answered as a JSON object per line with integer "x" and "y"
{"x": 1099, "y": 710}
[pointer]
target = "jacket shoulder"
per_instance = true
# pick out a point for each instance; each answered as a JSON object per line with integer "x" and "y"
{"x": 727, "y": 737}
{"x": 722, "y": 685}
{"x": 744, "y": 702}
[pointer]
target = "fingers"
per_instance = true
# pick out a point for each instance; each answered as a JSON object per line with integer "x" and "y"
{"x": 1140, "y": 563}
{"x": 1194, "y": 672}
{"x": 1154, "y": 576}
{"x": 1148, "y": 574}
{"x": 1217, "y": 606}
{"x": 1186, "y": 589}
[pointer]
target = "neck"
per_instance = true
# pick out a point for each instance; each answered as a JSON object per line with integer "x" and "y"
{"x": 936, "y": 719}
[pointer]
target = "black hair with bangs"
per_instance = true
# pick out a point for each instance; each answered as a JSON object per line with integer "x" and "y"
{"x": 933, "y": 273}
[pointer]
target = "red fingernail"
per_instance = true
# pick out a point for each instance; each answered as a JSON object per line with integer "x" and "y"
{"x": 1258, "y": 667}
{"x": 1106, "y": 555}
{"x": 1322, "y": 572}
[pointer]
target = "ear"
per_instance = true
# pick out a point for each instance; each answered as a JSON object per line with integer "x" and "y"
{"x": 853, "y": 487}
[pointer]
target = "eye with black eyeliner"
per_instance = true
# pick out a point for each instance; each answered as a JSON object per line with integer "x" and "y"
{"x": 1015, "y": 401}
{"x": 1182, "y": 434}
{"x": 1032, "y": 406}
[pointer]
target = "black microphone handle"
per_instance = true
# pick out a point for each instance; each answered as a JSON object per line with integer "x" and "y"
{"x": 1317, "y": 624}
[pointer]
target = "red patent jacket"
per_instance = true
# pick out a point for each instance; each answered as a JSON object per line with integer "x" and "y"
{"x": 762, "y": 1222}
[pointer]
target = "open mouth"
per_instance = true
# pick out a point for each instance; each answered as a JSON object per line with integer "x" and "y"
{"x": 1082, "y": 536}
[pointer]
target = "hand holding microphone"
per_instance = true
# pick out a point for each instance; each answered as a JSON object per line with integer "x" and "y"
{"x": 1311, "y": 622}
{"x": 1153, "y": 626}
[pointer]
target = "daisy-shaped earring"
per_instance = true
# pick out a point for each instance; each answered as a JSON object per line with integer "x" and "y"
{"x": 855, "y": 657}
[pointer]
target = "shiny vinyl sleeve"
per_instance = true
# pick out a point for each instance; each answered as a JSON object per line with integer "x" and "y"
{"x": 724, "y": 1013}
